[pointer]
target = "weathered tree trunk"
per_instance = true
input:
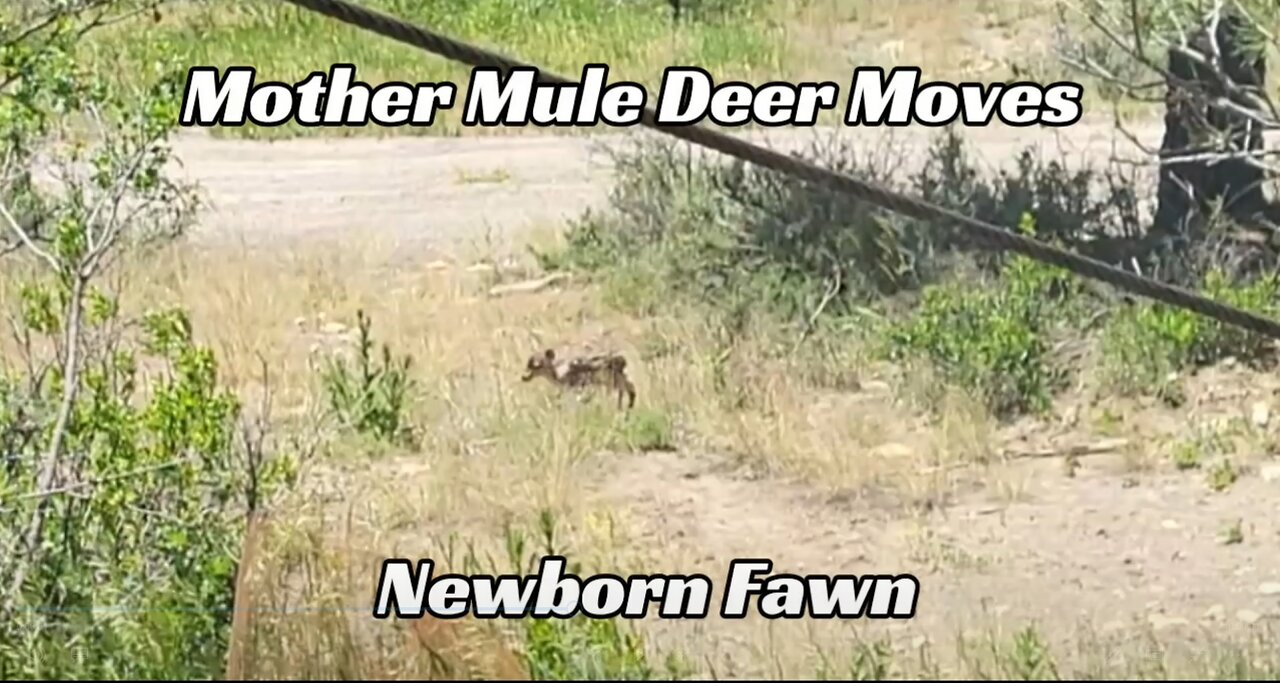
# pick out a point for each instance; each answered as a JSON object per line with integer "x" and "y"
{"x": 1189, "y": 189}
{"x": 1236, "y": 180}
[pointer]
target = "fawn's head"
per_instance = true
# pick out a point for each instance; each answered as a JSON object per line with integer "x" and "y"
{"x": 540, "y": 364}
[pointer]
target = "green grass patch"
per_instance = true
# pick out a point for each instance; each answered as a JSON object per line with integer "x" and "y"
{"x": 636, "y": 39}
{"x": 1147, "y": 346}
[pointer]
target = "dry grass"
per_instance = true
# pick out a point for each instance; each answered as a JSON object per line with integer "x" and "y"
{"x": 301, "y": 613}
{"x": 801, "y": 413}
{"x": 494, "y": 451}
{"x": 966, "y": 38}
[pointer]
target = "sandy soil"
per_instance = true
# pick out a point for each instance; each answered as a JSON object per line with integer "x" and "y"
{"x": 1110, "y": 545}
{"x": 433, "y": 191}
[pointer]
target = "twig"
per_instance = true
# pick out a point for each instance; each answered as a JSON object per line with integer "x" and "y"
{"x": 26, "y": 239}
{"x": 1098, "y": 448}
{"x": 100, "y": 480}
{"x": 48, "y": 464}
{"x": 817, "y": 312}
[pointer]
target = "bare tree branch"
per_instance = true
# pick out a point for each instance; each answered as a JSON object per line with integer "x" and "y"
{"x": 25, "y": 238}
{"x": 49, "y": 463}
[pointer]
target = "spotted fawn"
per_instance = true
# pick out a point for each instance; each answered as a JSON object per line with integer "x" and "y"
{"x": 604, "y": 370}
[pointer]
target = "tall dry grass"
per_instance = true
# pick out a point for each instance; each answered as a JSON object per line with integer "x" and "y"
{"x": 493, "y": 451}
{"x": 821, "y": 412}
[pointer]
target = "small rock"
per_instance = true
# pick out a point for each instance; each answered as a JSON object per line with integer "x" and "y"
{"x": 334, "y": 328}
{"x": 1260, "y": 414}
{"x": 1170, "y": 524}
{"x": 892, "y": 450}
{"x": 1114, "y": 627}
{"x": 300, "y": 322}
{"x": 1270, "y": 472}
{"x": 1160, "y": 622}
{"x": 1270, "y": 588}
{"x": 527, "y": 286}
{"x": 1072, "y": 416}
{"x": 893, "y": 49}
{"x": 1229, "y": 362}
{"x": 877, "y": 386}
{"x": 1248, "y": 616}
{"x": 1215, "y": 613}
{"x": 439, "y": 265}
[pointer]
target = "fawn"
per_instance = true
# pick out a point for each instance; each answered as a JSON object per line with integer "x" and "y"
{"x": 607, "y": 370}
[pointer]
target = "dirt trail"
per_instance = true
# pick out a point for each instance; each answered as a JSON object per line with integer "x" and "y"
{"x": 1094, "y": 554}
{"x": 437, "y": 191}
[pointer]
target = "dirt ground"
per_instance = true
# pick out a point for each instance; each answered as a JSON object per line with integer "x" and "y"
{"x": 433, "y": 191}
{"x": 1124, "y": 542}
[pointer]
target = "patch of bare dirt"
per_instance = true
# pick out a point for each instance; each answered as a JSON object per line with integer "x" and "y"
{"x": 1109, "y": 554}
{"x": 426, "y": 192}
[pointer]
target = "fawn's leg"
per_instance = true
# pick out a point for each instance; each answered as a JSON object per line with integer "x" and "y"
{"x": 630, "y": 390}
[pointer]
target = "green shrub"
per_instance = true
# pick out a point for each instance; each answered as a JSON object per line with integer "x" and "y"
{"x": 125, "y": 471}
{"x": 140, "y": 547}
{"x": 646, "y": 429}
{"x": 991, "y": 338}
{"x": 370, "y": 398}
{"x": 1144, "y": 346}
{"x": 721, "y": 233}
{"x": 579, "y": 648}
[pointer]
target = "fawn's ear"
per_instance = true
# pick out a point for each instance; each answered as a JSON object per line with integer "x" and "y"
{"x": 549, "y": 355}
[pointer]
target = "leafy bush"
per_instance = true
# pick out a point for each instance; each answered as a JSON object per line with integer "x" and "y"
{"x": 150, "y": 524}
{"x": 730, "y": 233}
{"x": 1145, "y": 345}
{"x": 646, "y": 429}
{"x": 723, "y": 232}
{"x": 1074, "y": 207}
{"x": 126, "y": 475}
{"x": 991, "y": 338}
{"x": 371, "y": 398}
